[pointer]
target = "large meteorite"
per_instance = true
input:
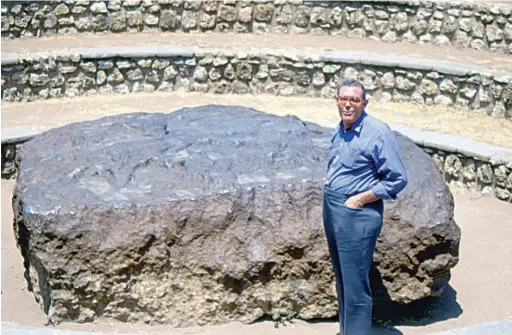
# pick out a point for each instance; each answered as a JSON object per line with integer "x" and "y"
{"x": 207, "y": 215}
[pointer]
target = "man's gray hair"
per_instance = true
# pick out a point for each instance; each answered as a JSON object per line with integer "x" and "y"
{"x": 349, "y": 82}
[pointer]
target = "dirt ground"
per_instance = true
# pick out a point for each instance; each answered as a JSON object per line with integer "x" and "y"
{"x": 45, "y": 114}
{"x": 480, "y": 289}
{"x": 246, "y": 42}
{"x": 481, "y": 286}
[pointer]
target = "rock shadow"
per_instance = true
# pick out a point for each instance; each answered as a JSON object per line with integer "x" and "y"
{"x": 377, "y": 328}
{"x": 419, "y": 313}
{"x": 387, "y": 315}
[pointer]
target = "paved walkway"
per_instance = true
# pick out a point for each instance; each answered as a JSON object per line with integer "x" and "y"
{"x": 304, "y": 43}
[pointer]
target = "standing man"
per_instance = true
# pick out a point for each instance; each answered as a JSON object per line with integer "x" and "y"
{"x": 364, "y": 168}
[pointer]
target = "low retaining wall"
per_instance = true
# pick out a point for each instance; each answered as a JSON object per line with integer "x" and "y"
{"x": 473, "y": 165}
{"x": 480, "y": 26}
{"x": 12, "y": 138}
{"x": 166, "y": 68}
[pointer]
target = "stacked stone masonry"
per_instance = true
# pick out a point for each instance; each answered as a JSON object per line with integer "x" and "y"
{"x": 486, "y": 26}
{"x": 492, "y": 177}
{"x": 8, "y": 157}
{"x": 283, "y": 74}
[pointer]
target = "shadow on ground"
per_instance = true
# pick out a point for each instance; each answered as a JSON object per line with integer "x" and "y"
{"x": 420, "y": 313}
{"x": 388, "y": 315}
{"x": 377, "y": 327}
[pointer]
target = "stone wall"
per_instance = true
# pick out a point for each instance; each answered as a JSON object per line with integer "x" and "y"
{"x": 125, "y": 70}
{"x": 490, "y": 175}
{"x": 493, "y": 177}
{"x": 8, "y": 157}
{"x": 479, "y": 26}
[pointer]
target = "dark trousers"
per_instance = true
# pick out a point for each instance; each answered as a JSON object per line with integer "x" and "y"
{"x": 351, "y": 237}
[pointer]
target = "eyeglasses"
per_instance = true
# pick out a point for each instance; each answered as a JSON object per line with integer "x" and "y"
{"x": 354, "y": 101}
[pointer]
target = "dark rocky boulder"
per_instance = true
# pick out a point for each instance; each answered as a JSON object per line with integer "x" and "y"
{"x": 207, "y": 215}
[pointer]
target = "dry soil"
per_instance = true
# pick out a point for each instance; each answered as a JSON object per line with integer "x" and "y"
{"x": 480, "y": 289}
{"x": 44, "y": 114}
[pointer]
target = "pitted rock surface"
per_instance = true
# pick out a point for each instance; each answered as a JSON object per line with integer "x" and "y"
{"x": 208, "y": 215}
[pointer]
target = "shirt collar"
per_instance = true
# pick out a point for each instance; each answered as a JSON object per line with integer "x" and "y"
{"x": 356, "y": 126}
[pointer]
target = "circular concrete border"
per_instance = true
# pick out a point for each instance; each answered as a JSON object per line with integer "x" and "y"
{"x": 492, "y": 161}
{"x": 83, "y": 71}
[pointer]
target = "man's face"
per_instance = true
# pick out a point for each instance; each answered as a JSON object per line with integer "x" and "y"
{"x": 350, "y": 104}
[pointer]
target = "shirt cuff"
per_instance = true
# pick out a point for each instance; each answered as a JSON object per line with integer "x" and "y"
{"x": 380, "y": 192}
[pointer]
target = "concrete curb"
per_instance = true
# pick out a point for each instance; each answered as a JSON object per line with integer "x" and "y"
{"x": 9, "y": 59}
{"x": 463, "y": 162}
{"x": 11, "y": 329}
{"x": 430, "y": 139}
{"x": 347, "y": 57}
{"x": 499, "y": 327}
{"x": 17, "y": 134}
{"x": 134, "y": 51}
{"x": 447, "y": 142}
{"x": 125, "y": 70}
{"x": 456, "y": 144}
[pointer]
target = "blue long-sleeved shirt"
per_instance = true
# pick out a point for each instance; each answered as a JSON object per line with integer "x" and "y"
{"x": 365, "y": 157}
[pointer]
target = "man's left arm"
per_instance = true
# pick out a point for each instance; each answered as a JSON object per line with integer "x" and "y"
{"x": 390, "y": 167}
